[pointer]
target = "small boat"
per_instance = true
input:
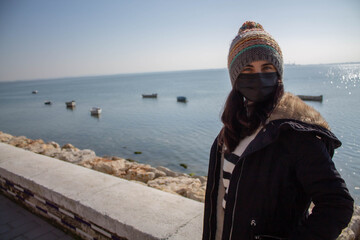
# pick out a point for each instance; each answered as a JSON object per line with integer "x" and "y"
{"x": 154, "y": 95}
{"x": 95, "y": 111}
{"x": 70, "y": 104}
{"x": 34, "y": 92}
{"x": 181, "y": 99}
{"x": 311, "y": 98}
{"x": 47, "y": 102}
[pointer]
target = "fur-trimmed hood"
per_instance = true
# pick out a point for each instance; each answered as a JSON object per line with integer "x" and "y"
{"x": 292, "y": 107}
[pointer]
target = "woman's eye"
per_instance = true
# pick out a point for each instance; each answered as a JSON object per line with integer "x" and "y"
{"x": 268, "y": 68}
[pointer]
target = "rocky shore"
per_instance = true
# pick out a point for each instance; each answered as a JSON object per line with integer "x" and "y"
{"x": 162, "y": 178}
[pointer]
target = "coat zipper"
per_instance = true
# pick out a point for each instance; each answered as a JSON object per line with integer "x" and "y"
{"x": 236, "y": 194}
{"x": 253, "y": 225}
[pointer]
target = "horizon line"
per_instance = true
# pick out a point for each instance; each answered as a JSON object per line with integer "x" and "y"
{"x": 153, "y": 72}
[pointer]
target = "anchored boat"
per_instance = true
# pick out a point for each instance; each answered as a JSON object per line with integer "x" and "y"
{"x": 153, "y": 95}
{"x": 95, "y": 111}
{"x": 181, "y": 99}
{"x": 70, "y": 104}
{"x": 311, "y": 98}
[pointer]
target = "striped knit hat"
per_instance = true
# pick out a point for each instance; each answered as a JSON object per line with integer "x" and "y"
{"x": 253, "y": 44}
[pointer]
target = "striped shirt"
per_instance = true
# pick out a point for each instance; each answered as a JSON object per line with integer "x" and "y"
{"x": 231, "y": 159}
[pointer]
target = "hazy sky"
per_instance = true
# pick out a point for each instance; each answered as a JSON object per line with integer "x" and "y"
{"x": 49, "y": 39}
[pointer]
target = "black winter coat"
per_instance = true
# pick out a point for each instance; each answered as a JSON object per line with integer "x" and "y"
{"x": 286, "y": 167}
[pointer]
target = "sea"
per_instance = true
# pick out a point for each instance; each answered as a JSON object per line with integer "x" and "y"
{"x": 162, "y": 131}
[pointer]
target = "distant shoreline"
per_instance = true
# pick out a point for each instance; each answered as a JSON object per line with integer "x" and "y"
{"x": 154, "y": 72}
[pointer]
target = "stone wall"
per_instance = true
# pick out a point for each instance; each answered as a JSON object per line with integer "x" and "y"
{"x": 92, "y": 204}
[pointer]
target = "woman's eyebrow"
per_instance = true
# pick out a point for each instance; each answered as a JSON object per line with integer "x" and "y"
{"x": 267, "y": 64}
{"x": 249, "y": 65}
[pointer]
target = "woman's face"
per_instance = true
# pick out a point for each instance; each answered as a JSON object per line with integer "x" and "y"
{"x": 257, "y": 81}
{"x": 258, "y": 67}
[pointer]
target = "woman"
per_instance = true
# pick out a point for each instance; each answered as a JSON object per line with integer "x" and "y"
{"x": 272, "y": 157}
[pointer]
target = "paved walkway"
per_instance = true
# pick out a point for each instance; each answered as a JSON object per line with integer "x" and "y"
{"x": 18, "y": 223}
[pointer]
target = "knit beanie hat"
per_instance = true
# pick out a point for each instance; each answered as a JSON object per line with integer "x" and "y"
{"x": 253, "y": 44}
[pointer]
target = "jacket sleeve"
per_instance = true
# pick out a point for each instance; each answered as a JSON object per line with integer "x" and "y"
{"x": 320, "y": 180}
{"x": 209, "y": 224}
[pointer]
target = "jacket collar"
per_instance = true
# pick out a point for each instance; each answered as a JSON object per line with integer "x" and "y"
{"x": 292, "y": 107}
{"x": 292, "y": 113}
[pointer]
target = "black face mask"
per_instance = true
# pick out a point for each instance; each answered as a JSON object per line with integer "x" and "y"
{"x": 257, "y": 87}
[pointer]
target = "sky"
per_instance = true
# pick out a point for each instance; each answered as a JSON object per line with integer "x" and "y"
{"x": 42, "y": 39}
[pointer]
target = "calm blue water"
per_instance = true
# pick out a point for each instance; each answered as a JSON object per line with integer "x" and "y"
{"x": 167, "y": 132}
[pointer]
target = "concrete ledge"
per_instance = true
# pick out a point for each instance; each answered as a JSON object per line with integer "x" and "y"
{"x": 123, "y": 209}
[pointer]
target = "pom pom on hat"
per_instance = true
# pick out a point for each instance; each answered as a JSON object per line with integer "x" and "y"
{"x": 250, "y": 25}
{"x": 251, "y": 44}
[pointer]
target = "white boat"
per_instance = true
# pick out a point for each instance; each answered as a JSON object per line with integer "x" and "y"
{"x": 70, "y": 104}
{"x": 34, "y": 92}
{"x": 95, "y": 111}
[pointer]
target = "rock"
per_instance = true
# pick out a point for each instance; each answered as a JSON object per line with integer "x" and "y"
{"x": 183, "y": 175}
{"x": 352, "y": 232}
{"x": 183, "y": 185}
{"x": 86, "y": 164}
{"x": 66, "y": 156}
{"x": 167, "y": 171}
{"x": 111, "y": 167}
{"x": 51, "y": 146}
{"x": 105, "y": 167}
{"x": 124, "y": 169}
{"x": 20, "y": 142}
{"x": 140, "y": 172}
{"x": 86, "y": 155}
{"x": 115, "y": 167}
{"x": 36, "y": 146}
{"x": 37, "y": 141}
{"x": 4, "y": 137}
{"x": 51, "y": 152}
{"x": 201, "y": 178}
{"x": 75, "y": 155}
{"x": 157, "y": 172}
{"x": 197, "y": 195}
{"x": 69, "y": 146}
{"x": 112, "y": 157}
{"x": 139, "y": 175}
{"x": 54, "y": 144}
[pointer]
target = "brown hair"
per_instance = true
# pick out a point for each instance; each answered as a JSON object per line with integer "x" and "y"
{"x": 241, "y": 120}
